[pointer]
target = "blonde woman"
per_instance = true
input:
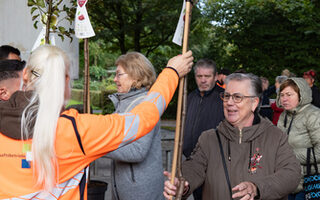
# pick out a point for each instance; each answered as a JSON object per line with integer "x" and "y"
{"x": 47, "y": 157}
{"x": 136, "y": 168}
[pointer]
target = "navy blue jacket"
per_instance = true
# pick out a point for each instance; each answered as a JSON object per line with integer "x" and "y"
{"x": 315, "y": 96}
{"x": 203, "y": 113}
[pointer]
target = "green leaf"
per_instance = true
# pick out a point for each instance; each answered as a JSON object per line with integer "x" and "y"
{"x": 34, "y": 17}
{"x": 33, "y": 9}
{"x": 61, "y": 36}
{"x": 35, "y": 24}
{"x": 31, "y": 3}
{"x": 56, "y": 13}
{"x": 41, "y": 3}
{"x": 62, "y": 29}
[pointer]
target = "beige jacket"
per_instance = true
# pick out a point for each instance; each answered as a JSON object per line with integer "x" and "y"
{"x": 305, "y": 128}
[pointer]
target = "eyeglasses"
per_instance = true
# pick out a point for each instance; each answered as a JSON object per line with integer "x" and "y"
{"x": 118, "y": 75}
{"x": 236, "y": 97}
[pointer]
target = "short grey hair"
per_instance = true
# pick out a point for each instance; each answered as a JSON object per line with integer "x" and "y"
{"x": 281, "y": 79}
{"x": 255, "y": 84}
{"x": 206, "y": 63}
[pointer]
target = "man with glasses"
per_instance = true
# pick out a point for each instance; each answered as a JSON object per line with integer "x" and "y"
{"x": 204, "y": 107}
{"x": 246, "y": 157}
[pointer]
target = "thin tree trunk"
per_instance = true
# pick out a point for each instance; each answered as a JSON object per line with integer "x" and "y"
{"x": 49, "y": 14}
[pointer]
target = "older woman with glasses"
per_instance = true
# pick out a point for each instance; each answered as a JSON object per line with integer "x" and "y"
{"x": 301, "y": 121}
{"x": 136, "y": 168}
{"x": 246, "y": 157}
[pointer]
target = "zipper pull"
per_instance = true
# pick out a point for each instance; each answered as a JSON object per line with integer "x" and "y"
{"x": 240, "y": 136}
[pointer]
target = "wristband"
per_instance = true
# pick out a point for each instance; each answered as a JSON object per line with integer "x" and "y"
{"x": 173, "y": 70}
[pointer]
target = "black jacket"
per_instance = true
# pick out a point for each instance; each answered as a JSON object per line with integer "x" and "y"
{"x": 315, "y": 96}
{"x": 203, "y": 113}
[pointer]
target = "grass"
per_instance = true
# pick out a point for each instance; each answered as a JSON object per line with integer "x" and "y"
{"x": 169, "y": 128}
{"x": 74, "y": 102}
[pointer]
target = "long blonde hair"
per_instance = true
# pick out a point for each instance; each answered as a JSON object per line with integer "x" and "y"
{"x": 47, "y": 69}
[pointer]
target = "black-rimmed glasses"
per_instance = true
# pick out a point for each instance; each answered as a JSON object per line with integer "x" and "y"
{"x": 236, "y": 97}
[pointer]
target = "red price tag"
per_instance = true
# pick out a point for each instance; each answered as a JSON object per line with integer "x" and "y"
{"x": 81, "y": 2}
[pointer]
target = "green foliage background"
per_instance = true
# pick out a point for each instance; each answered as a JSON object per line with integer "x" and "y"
{"x": 259, "y": 36}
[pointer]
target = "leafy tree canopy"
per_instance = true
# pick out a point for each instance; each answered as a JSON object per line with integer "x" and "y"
{"x": 267, "y": 36}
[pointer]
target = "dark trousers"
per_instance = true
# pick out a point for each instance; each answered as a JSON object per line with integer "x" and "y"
{"x": 297, "y": 196}
{"x": 197, "y": 193}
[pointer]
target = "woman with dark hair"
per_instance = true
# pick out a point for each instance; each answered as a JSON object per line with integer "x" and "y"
{"x": 136, "y": 170}
{"x": 301, "y": 121}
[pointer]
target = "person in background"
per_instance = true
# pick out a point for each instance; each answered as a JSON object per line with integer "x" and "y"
{"x": 136, "y": 171}
{"x": 246, "y": 157}
{"x": 300, "y": 120}
{"x": 45, "y": 150}
{"x": 310, "y": 77}
{"x": 222, "y": 74}
{"x": 267, "y": 91}
{"x": 204, "y": 108}
{"x": 287, "y": 73}
{"x": 276, "y": 110}
{"x": 8, "y": 52}
{"x": 10, "y": 77}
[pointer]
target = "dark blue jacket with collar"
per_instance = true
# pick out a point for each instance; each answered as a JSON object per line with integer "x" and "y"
{"x": 203, "y": 113}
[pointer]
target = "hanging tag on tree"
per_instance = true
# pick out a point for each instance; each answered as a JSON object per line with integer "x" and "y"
{"x": 178, "y": 34}
{"x": 83, "y": 28}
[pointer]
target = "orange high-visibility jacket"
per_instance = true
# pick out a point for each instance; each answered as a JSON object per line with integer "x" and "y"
{"x": 80, "y": 139}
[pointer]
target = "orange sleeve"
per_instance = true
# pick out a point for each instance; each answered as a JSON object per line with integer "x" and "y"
{"x": 101, "y": 134}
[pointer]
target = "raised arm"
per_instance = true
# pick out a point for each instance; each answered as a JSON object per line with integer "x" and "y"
{"x": 101, "y": 134}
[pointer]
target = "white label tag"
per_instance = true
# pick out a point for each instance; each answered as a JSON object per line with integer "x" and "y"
{"x": 83, "y": 28}
{"x": 177, "y": 38}
{"x": 29, "y": 156}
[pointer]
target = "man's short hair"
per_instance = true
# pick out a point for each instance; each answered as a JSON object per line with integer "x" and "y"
{"x": 206, "y": 63}
{"x": 5, "y": 50}
{"x": 224, "y": 71}
{"x": 10, "y": 68}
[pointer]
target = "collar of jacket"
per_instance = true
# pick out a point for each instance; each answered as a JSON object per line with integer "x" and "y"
{"x": 117, "y": 97}
{"x": 206, "y": 93}
{"x": 248, "y": 133}
{"x": 10, "y": 113}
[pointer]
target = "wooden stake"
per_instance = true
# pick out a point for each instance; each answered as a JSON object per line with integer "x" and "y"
{"x": 86, "y": 92}
{"x": 178, "y": 136}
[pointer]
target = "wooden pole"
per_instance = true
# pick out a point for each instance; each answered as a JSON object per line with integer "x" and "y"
{"x": 86, "y": 92}
{"x": 48, "y": 22}
{"x": 178, "y": 138}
